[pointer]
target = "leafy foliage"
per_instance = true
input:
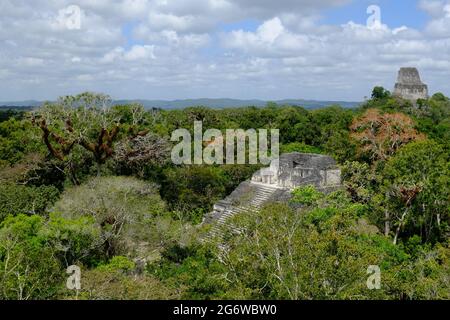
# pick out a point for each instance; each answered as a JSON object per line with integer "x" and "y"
{"x": 120, "y": 206}
{"x": 306, "y": 196}
{"x": 16, "y": 199}
{"x": 115, "y": 281}
{"x": 17, "y": 139}
{"x": 422, "y": 166}
{"x": 33, "y": 252}
{"x": 380, "y": 135}
{"x": 380, "y": 93}
{"x": 136, "y": 232}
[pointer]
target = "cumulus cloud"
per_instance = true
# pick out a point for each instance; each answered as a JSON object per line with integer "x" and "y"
{"x": 434, "y": 8}
{"x": 136, "y": 53}
{"x": 270, "y": 39}
{"x": 186, "y": 48}
{"x": 439, "y": 10}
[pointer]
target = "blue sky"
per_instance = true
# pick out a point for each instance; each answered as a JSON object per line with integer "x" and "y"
{"x": 248, "y": 49}
{"x": 394, "y": 13}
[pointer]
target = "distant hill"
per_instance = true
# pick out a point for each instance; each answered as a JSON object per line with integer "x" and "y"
{"x": 15, "y": 108}
{"x": 212, "y": 103}
{"x": 26, "y": 103}
{"x": 235, "y": 103}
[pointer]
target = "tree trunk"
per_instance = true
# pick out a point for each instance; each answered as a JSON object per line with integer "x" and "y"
{"x": 73, "y": 175}
{"x": 387, "y": 223}
{"x": 400, "y": 225}
{"x": 99, "y": 167}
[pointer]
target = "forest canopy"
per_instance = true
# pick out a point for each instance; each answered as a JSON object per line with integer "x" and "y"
{"x": 88, "y": 183}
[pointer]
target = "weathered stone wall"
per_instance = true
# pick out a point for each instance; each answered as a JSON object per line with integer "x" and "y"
{"x": 410, "y": 86}
{"x": 298, "y": 169}
{"x": 275, "y": 184}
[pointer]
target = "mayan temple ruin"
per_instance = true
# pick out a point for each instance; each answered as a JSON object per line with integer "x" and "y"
{"x": 409, "y": 86}
{"x": 275, "y": 183}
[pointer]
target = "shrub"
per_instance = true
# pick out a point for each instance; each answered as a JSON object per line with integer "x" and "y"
{"x": 121, "y": 206}
{"x": 306, "y": 195}
{"x": 114, "y": 281}
{"x": 16, "y": 199}
{"x": 28, "y": 267}
{"x": 299, "y": 147}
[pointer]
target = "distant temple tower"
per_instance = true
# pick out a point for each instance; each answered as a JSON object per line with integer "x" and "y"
{"x": 409, "y": 86}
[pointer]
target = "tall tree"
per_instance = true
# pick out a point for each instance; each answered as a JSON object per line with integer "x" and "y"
{"x": 417, "y": 188}
{"x": 380, "y": 93}
{"x": 381, "y": 134}
{"x": 85, "y": 120}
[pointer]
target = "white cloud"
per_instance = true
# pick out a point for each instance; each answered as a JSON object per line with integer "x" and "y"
{"x": 140, "y": 53}
{"x": 346, "y": 56}
{"x": 137, "y": 53}
{"x": 270, "y": 39}
{"x": 439, "y": 10}
{"x": 434, "y": 8}
{"x": 31, "y": 62}
{"x": 270, "y": 30}
{"x": 179, "y": 49}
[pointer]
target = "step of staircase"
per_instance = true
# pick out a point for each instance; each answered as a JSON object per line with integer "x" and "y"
{"x": 225, "y": 210}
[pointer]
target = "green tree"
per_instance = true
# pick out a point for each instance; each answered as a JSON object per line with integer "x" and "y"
{"x": 117, "y": 280}
{"x": 194, "y": 268}
{"x": 313, "y": 255}
{"x": 295, "y": 125}
{"x": 360, "y": 181}
{"x": 299, "y": 147}
{"x": 193, "y": 188}
{"x": 86, "y": 120}
{"x": 323, "y": 251}
{"x": 75, "y": 240}
{"x": 417, "y": 187}
{"x": 16, "y": 199}
{"x": 306, "y": 196}
{"x": 122, "y": 207}
{"x": 18, "y": 138}
{"x": 380, "y": 93}
{"x": 28, "y": 267}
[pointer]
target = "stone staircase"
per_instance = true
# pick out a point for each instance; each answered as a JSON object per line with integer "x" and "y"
{"x": 248, "y": 197}
{"x": 274, "y": 184}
